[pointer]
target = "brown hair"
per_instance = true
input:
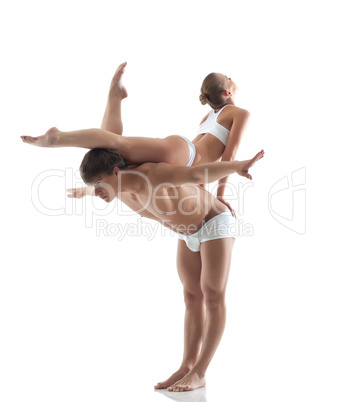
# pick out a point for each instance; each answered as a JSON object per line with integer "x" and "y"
{"x": 212, "y": 91}
{"x": 100, "y": 161}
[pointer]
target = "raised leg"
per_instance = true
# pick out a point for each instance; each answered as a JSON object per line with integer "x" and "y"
{"x": 106, "y": 137}
{"x": 172, "y": 149}
{"x": 189, "y": 270}
{"x": 215, "y": 259}
{"x": 112, "y": 119}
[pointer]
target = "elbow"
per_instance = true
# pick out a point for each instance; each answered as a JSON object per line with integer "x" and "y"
{"x": 197, "y": 176}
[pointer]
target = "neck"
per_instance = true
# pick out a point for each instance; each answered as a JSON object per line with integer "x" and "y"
{"x": 125, "y": 181}
{"x": 228, "y": 102}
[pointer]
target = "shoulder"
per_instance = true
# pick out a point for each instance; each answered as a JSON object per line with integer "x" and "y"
{"x": 149, "y": 171}
{"x": 241, "y": 112}
{"x": 205, "y": 118}
{"x": 140, "y": 176}
{"x": 233, "y": 113}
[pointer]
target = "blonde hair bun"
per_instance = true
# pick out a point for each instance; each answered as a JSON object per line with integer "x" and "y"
{"x": 203, "y": 99}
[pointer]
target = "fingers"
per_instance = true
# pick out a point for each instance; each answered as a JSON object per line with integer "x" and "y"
{"x": 72, "y": 191}
{"x": 259, "y": 155}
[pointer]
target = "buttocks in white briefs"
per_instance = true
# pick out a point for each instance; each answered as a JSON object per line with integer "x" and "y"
{"x": 192, "y": 151}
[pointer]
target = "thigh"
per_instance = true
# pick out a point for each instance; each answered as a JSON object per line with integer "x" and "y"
{"x": 189, "y": 268}
{"x": 216, "y": 259}
{"x": 172, "y": 149}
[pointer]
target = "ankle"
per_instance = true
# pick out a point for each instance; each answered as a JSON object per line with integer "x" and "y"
{"x": 55, "y": 138}
{"x": 198, "y": 371}
{"x": 187, "y": 366}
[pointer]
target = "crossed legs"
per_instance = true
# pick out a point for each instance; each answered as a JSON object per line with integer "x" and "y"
{"x": 204, "y": 277}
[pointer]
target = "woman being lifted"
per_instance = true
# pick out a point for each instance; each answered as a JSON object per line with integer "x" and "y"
{"x": 218, "y": 137}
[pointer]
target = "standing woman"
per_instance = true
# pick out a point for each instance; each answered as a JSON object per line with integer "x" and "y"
{"x": 223, "y": 127}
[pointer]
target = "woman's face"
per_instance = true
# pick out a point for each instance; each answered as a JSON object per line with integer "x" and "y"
{"x": 228, "y": 84}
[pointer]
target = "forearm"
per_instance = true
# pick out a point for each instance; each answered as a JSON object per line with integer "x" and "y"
{"x": 222, "y": 186}
{"x": 88, "y": 138}
{"x": 90, "y": 190}
{"x": 228, "y": 155}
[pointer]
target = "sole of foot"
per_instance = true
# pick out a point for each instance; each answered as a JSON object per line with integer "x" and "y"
{"x": 46, "y": 140}
{"x": 116, "y": 86}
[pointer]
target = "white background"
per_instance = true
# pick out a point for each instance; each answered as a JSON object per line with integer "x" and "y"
{"x": 91, "y": 317}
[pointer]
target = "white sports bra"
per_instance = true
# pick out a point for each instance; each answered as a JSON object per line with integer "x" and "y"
{"x": 211, "y": 126}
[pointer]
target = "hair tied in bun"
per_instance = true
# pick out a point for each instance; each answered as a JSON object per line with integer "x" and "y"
{"x": 203, "y": 98}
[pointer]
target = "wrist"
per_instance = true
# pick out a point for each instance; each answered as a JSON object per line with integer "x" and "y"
{"x": 90, "y": 190}
{"x": 236, "y": 166}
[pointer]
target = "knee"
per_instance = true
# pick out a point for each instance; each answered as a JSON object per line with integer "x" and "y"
{"x": 193, "y": 299}
{"x": 214, "y": 298}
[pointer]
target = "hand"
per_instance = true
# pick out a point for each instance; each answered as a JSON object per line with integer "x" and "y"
{"x": 77, "y": 192}
{"x": 244, "y": 166}
{"x": 220, "y": 198}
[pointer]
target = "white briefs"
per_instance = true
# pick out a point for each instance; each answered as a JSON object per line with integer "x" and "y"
{"x": 191, "y": 147}
{"x": 218, "y": 227}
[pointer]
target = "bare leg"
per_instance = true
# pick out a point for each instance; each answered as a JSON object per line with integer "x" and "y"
{"x": 88, "y": 138}
{"x": 172, "y": 149}
{"x": 92, "y": 138}
{"x": 112, "y": 120}
{"x": 189, "y": 269}
{"x": 216, "y": 258}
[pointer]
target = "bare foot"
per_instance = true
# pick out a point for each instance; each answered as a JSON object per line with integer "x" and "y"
{"x": 190, "y": 382}
{"x": 47, "y": 140}
{"x": 178, "y": 375}
{"x": 116, "y": 86}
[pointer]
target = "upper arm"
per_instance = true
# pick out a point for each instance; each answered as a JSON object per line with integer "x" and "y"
{"x": 172, "y": 174}
{"x": 236, "y": 133}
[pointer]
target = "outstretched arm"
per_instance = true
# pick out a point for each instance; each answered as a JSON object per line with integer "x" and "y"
{"x": 205, "y": 173}
{"x": 80, "y": 192}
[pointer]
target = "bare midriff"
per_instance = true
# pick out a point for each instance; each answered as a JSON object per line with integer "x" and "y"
{"x": 208, "y": 149}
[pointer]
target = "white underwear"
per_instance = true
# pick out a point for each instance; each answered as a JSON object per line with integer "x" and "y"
{"x": 218, "y": 227}
{"x": 192, "y": 150}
